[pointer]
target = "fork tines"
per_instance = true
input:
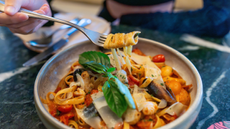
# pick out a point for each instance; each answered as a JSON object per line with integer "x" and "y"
{"x": 102, "y": 39}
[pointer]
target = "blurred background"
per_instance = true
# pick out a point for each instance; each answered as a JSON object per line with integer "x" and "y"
{"x": 89, "y": 7}
{"x": 93, "y": 7}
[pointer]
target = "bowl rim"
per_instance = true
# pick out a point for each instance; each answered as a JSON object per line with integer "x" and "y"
{"x": 189, "y": 112}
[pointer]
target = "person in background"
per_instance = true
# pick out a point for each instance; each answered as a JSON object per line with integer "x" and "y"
{"x": 212, "y": 20}
{"x": 20, "y": 23}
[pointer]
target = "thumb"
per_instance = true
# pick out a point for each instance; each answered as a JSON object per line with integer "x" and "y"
{"x": 12, "y": 6}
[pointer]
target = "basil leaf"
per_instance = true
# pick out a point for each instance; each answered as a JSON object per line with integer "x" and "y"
{"x": 97, "y": 67}
{"x": 94, "y": 56}
{"x": 110, "y": 70}
{"x": 114, "y": 98}
{"x": 125, "y": 91}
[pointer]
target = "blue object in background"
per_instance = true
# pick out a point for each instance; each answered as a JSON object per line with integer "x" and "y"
{"x": 212, "y": 20}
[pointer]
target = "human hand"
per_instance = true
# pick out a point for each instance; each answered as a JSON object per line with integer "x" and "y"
{"x": 19, "y": 22}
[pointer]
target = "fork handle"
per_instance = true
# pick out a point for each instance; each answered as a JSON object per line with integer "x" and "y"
{"x": 44, "y": 17}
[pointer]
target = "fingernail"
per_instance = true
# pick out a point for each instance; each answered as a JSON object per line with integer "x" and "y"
{"x": 23, "y": 17}
{"x": 41, "y": 12}
{"x": 10, "y": 10}
{"x": 45, "y": 10}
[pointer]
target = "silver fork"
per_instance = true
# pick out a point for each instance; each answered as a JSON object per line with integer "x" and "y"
{"x": 93, "y": 36}
{"x": 47, "y": 40}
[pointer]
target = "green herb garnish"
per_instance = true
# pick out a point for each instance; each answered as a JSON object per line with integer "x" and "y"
{"x": 96, "y": 61}
{"x": 116, "y": 94}
{"x": 98, "y": 57}
{"x": 110, "y": 70}
{"x": 114, "y": 98}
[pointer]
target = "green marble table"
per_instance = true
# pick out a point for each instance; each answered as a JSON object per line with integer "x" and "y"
{"x": 16, "y": 82}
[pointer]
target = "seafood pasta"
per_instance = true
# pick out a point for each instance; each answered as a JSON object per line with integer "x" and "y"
{"x": 121, "y": 89}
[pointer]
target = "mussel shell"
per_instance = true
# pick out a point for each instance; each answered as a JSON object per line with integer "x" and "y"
{"x": 77, "y": 71}
{"x": 90, "y": 111}
{"x": 158, "y": 91}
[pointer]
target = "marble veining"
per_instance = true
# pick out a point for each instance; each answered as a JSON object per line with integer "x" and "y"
{"x": 22, "y": 102}
{"x": 6, "y": 75}
{"x": 189, "y": 48}
{"x": 209, "y": 93}
{"x": 204, "y": 43}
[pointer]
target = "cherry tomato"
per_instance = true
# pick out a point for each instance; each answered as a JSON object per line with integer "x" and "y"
{"x": 65, "y": 118}
{"x": 65, "y": 108}
{"x": 158, "y": 58}
{"x": 133, "y": 79}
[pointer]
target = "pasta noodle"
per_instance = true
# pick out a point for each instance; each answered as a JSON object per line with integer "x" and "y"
{"x": 73, "y": 124}
{"x": 68, "y": 79}
{"x": 120, "y": 40}
{"x": 126, "y": 126}
{"x": 146, "y": 83}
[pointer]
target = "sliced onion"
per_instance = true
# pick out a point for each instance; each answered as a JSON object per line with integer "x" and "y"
{"x": 177, "y": 108}
{"x": 81, "y": 81}
{"x": 162, "y": 104}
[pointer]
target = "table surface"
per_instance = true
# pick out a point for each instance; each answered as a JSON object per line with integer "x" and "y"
{"x": 17, "y": 82}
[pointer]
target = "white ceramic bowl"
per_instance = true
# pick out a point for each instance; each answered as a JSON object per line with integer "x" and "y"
{"x": 56, "y": 67}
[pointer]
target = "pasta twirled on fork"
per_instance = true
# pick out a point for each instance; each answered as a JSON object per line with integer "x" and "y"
{"x": 120, "y": 40}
